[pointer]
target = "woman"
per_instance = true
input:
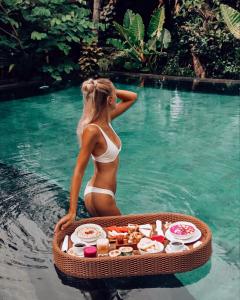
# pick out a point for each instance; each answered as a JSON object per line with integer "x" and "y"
{"x": 98, "y": 139}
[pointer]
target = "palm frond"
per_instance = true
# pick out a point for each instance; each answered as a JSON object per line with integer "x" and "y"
{"x": 128, "y": 18}
{"x": 137, "y": 29}
{"x": 232, "y": 19}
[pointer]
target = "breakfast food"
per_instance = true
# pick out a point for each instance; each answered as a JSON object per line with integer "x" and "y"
{"x": 158, "y": 238}
{"x": 88, "y": 233}
{"x": 114, "y": 253}
{"x": 134, "y": 237}
{"x": 132, "y": 228}
{"x": 126, "y": 251}
{"x": 146, "y": 229}
{"x": 147, "y": 246}
{"x": 182, "y": 230}
{"x": 116, "y": 241}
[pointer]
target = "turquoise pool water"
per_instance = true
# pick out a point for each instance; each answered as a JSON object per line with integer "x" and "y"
{"x": 180, "y": 153}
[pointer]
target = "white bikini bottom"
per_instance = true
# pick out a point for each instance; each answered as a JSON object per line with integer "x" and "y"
{"x": 93, "y": 189}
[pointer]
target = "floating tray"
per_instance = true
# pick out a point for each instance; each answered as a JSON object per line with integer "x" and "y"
{"x": 135, "y": 265}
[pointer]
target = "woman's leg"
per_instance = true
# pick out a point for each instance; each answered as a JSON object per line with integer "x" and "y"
{"x": 99, "y": 205}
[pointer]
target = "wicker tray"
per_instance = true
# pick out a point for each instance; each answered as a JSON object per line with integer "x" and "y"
{"x": 135, "y": 265}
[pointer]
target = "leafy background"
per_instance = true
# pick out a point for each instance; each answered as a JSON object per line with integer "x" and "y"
{"x": 58, "y": 39}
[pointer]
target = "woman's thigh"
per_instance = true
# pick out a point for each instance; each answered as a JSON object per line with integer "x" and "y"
{"x": 99, "y": 205}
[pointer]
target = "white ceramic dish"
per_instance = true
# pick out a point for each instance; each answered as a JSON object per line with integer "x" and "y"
{"x": 98, "y": 231}
{"x": 181, "y": 236}
{"x": 159, "y": 248}
{"x": 169, "y": 250}
{"x": 75, "y": 239}
{"x": 197, "y": 235}
{"x": 71, "y": 252}
{"x": 90, "y": 239}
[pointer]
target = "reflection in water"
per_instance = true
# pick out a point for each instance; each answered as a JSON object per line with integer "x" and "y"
{"x": 176, "y": 106}
{"x": 30, "y": 206}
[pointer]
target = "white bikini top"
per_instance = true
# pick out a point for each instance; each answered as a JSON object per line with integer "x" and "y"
{"x": 112, "y": 149}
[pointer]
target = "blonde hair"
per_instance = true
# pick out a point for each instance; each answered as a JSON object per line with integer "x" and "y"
{"x": 95, "y": 93}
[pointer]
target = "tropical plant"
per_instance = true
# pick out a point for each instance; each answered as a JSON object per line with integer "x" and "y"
{"x": 140, "y": 53}
{"x": 232, "y": 19}
{"x": 202, "y": 43}
{"x": 48, "y": 33}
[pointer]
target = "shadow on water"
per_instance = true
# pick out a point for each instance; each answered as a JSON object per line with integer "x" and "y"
{"x": 29, "y": 207}
{"x": 167, "y": 287}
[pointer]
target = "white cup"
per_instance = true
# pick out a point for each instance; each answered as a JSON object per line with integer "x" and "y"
{"x": 176, "y": 245}
{"x": 78, "y": 248}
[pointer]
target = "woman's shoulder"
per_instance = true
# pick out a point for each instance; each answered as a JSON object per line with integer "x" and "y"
{"x": 91, "y": 130}
{"x": 90, "y": 135}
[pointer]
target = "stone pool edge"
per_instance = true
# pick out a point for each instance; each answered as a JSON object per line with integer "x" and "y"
{"x": 23, "y": 89}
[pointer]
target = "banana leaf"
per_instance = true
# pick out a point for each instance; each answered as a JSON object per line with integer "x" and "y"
{"x": 118, "y": 44}
{"x": 128, "y": 18}
{"x": 155, "y": 26}
{"x": 166, "y": 38}
{"x": 163, "y": 42}
{"x": 126, "y": 35}
{"x": 151, "y": 44}
{"x": 136, "y": 30}
{"x": 121, "y": 30}
{"x": 232, "y": 19}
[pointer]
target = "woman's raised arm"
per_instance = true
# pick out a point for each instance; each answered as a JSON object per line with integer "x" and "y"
{"x": 128, "y": 98}
{"x": 89, "y": 139}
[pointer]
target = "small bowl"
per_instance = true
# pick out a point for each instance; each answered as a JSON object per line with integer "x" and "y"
{"x": 126, "y": 251}
{"x": 114, "y": 253}
{"x": 177, "y": 230}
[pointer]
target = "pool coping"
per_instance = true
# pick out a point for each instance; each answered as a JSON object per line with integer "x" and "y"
{"x": 24, "y": 89}
{"x": 210, "y": 85}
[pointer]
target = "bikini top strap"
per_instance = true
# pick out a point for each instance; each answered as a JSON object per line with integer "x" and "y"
{"x": 104, "y": 134}
{"x": 112, "y": 128}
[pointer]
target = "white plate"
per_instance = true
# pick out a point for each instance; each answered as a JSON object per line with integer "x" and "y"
{"x": 95, "y": 226}
{"x": 75, "y": 239}
{"x": 159, "y": 249}
{"x": 89, "y": 225}
{"x": 169, "y": 250}
{"x": 196, "y": 236}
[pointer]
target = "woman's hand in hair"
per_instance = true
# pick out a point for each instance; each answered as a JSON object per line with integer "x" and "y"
{"x": 127, "y": 100}
{"x": 125, "y": 95}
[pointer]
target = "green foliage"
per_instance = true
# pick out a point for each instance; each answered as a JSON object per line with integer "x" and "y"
{"x": 199, "y": 30}
{"x": 232, "y": 19}
{"x": 56, "y": 72}
{"x": 198, "y": 33}
{"x": 48, "y": 29}
{"x": 38, "y": 35}
{"x": 138, "y": 52}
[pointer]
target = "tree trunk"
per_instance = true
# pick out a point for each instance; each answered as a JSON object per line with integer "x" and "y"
{"x": 198, "y": 67}
{"x": 96, "y": 13}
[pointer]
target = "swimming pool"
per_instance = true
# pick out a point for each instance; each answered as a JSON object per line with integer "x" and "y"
{"x": 180, "y": 153}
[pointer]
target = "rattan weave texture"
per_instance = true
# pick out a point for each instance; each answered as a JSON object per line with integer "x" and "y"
{"x": 136, "y": 265}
